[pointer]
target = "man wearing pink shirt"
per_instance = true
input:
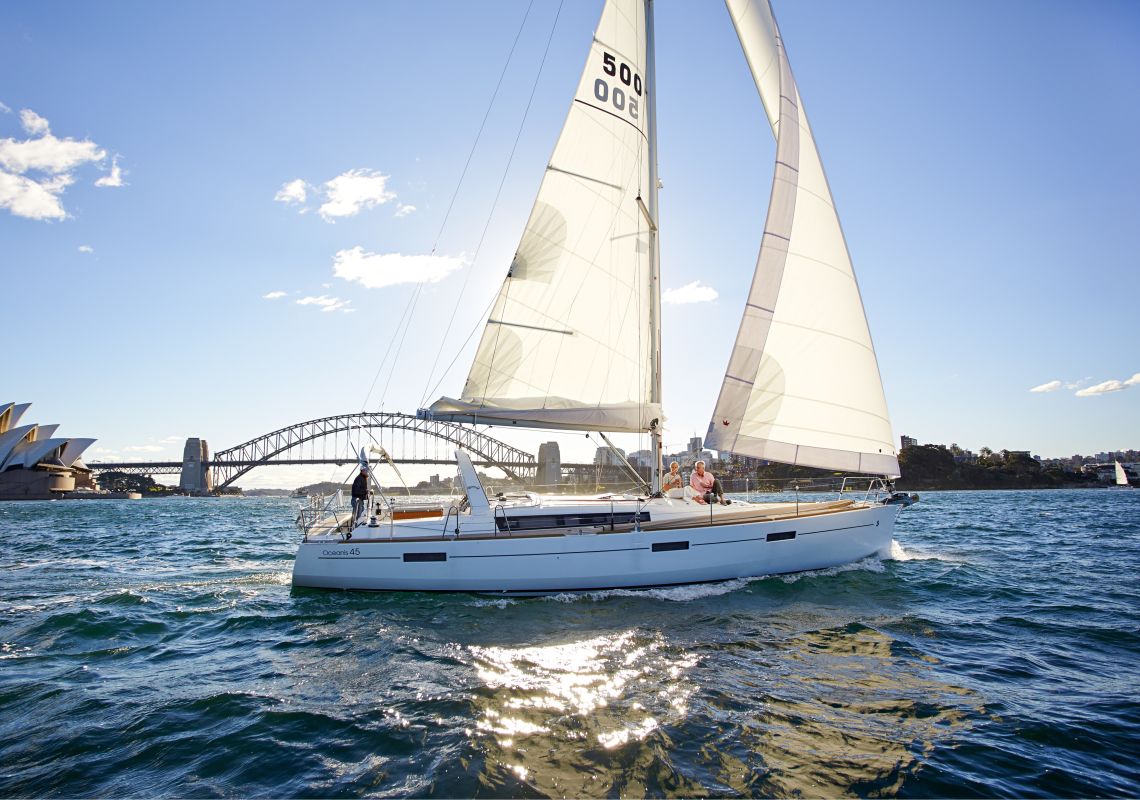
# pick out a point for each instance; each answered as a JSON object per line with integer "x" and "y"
{"x": 706, "y": 487}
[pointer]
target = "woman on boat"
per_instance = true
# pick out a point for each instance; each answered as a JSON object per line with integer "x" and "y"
{"x": 672, "y": 484}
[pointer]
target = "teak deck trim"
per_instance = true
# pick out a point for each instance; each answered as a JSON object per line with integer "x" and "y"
{"x": 720, "y": 519}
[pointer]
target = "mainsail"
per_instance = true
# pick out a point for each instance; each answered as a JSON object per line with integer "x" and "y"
{"x": 1121, "y": 475}
{"x": 802, "y": 384}
{"x": 571, "y": 339}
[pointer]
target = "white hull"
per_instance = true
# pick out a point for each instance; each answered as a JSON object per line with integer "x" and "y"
{"x": 420, "y": 557}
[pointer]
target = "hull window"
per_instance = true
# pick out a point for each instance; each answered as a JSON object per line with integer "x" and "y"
{"x": 409, "y": 557}
{"x": 665, "y": 547}
{"x": 782, "y": 536}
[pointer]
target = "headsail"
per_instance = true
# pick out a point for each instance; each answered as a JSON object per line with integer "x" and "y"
{"x": 1121, "y": 475}
{"x": 570, "y": 338}
{"x": 802, "y": 384}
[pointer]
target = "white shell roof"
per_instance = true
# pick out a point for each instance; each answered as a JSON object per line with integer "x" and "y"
{"x": 28, "y": 445}
{"x": 28, "y": 454}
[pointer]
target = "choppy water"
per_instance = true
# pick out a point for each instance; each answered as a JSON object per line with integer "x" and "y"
{"x": 156, "y": 648}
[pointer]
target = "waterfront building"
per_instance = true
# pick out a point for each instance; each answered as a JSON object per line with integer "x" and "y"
{"x": 35, "y": 464}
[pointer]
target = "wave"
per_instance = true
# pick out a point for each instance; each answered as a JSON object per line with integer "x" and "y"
{"x": 899, "y": 554}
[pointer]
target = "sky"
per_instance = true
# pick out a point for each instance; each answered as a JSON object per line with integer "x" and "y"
{"x": 213, "y": 216}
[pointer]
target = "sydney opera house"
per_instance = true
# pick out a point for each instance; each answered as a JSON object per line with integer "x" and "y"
{"x": 35, "y": 464}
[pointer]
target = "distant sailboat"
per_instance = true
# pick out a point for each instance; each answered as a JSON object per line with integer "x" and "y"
{"x": 1121, "y": 476}
{"x": 573, "y": 342}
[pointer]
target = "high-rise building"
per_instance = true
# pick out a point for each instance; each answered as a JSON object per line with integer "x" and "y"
{"x": 609, "y": 457}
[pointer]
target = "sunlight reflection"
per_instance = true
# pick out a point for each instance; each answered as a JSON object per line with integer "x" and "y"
{"x": 834, "y": 711}
{"x": 548, "y": 715}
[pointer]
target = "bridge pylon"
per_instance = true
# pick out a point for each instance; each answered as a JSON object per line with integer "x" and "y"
{"x": 196, "y": 475}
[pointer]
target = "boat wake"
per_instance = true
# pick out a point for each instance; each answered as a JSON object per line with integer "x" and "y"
{"x": 675, "y": 594}
{"x": 700, "y": 591}
{"x": 869, "y": 564}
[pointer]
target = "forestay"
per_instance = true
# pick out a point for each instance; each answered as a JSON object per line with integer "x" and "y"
{"x": 802, "y": 384}
{"x": 568, "y": 340}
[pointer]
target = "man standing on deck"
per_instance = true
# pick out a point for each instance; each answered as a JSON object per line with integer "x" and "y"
{"x": 359, "y": 494}
{"x": 706, "y": 487}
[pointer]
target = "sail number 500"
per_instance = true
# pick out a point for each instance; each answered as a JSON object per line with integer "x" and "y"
{"x": 621, "y": 99}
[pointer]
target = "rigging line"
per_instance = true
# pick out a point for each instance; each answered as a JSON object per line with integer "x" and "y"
{"x": 414, "y": 299}
{"x": 384, "y": 360}
{"x": 495, "y": 202}
{"x": 482, "y": 125}
{"x": 400, "y": 346}
{"x": 478, "y": 322}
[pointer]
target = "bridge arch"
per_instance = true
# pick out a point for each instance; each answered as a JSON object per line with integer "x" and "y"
{"x": 230, "y": 464}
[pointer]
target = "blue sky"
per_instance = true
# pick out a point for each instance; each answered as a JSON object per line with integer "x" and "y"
{"x": 982, "y": 156}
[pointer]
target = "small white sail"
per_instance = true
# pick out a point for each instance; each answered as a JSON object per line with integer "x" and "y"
{"x": 802, "y": 384}
{"x": 569, "y": 339}
{"x": 1121, "y": 475}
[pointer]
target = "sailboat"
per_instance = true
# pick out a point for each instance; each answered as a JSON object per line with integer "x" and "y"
{"x": 1121, "y": 476}
{"x": 573, "y": 342}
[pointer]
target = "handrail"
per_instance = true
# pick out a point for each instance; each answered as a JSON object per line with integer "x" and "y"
{"x": 448, "y": 519}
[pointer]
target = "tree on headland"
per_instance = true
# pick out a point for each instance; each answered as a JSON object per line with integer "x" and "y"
{"x": 933, "y": 466}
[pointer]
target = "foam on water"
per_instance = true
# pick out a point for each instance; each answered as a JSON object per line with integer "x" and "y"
{"x": 898, "y": 553}
{"x": 674, "y": 594}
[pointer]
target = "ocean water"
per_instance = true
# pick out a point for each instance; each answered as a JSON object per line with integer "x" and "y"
{"x": 156, "y": 648}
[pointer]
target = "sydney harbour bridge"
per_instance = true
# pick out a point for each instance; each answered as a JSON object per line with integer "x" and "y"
{"x": 335, "y": 440}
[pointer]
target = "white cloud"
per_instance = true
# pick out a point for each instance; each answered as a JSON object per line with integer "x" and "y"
{"x": 55, "y": 159}
{"x": 349, "y": 193}
{"x": 47, "y": 154}
{"x": 325, "y": 303}
{"x": 693, "y": 292}
{"x": 403, "y": 210}
{"x": 4, "y": 109}
{"x": 25, "y": 197}
{"x": 376, "y": 270}
{"x": 1109, "y": 386}
{"x": 292, "y": 192}
{"x": 86, "y": 248}
{"x": 273, "y": 295}
{"x": 1051, "y": 386}
{"x": 172, "y": 440}
{"x": 33, "y": 123}
{"x": 143, "y": 448}
{"x": 116, "y": 176}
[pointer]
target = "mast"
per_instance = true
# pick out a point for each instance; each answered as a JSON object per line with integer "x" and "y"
{"x": 654, "y": 252}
